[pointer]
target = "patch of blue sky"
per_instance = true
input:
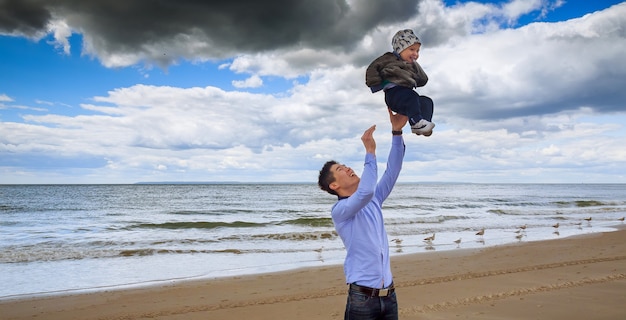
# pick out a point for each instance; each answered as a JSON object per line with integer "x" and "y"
{"x": 42, "y": 161}
{"x": 188, "y": 74}
{"x": 52, "y": 77}
{"x": 58, "y": 83}
{"x": 554, "y": 11}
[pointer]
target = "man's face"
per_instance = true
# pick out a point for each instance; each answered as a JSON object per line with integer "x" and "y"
{"x": 344, "y": 176}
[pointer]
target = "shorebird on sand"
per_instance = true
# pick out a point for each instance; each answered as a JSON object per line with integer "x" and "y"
{"x": 397, "y": 241}
{"x": 430, "y": 239}
{"x": 523, "y": 227}
{"x": 458, "y": 241}
{"x": 556, "y": 226}
{"x": 621, "y": 219}
{"x": 481, "y": 232}
{"x": 319, "y": 253}
{"x": 588, "y": 219}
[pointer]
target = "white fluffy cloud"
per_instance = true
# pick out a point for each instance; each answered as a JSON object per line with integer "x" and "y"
{"x": 539, "y": 103}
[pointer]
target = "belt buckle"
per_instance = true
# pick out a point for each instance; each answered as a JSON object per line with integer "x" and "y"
{"x": 383, "y": 292}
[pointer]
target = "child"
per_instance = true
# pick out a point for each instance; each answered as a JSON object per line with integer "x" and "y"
{"x": 397, "y": 73}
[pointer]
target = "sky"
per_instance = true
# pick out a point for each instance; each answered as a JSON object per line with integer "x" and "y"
{"x": 525, "y": 91}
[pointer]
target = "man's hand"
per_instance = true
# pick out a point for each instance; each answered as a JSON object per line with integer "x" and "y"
{"x": 398, "y": 121}
{"x": 368, "y": 140}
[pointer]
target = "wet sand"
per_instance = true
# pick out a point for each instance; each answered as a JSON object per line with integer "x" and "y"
{"x": 582, "y": 277}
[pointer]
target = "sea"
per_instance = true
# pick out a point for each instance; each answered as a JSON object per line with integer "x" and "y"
{"x": 64, "y": 239}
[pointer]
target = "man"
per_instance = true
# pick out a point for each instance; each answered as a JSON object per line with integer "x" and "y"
{"x": 358, "y": 219}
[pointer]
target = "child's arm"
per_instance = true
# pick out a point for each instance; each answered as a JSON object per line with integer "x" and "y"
{"x": 420, "y": 77}
{"x": 372, "y": 75}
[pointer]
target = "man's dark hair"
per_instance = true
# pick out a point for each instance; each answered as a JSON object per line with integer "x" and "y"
{"x": 326, "y": 177}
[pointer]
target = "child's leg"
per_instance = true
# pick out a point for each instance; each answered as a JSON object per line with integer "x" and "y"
{"x": 404, "y": 101}
{"x": 426, "y": 107}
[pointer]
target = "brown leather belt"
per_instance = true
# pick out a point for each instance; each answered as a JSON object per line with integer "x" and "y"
{"x": 371, "y": 291}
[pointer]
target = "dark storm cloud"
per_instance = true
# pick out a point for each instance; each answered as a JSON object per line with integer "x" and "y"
{"x": 229, "y": 26}
{"x": 23, "y": 17}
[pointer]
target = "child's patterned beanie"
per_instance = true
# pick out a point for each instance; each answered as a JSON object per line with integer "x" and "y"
{"x": 404, "y": 39}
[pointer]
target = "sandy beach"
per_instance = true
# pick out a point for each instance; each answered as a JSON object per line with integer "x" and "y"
{"x": 572, "y": 278}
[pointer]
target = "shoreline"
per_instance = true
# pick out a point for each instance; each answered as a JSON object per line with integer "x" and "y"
{"x": 568, "y": 278}
{"x": 414, "y": 247}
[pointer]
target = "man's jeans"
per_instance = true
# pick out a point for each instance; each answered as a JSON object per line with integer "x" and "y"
{"x": 363, "y": 307}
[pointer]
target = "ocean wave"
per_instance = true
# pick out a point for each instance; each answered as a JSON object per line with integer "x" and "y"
{"x": 56, "y": 253}
{"x": 196, "y": 212}
{"x": 8, "y": 208}
{"x": 579, "y": 203}
{"x": 589, "y": 203}
{"x": 196, "y": 225}
{"x": 430, "y": 206}
{"x": 237, "y": 251}
{"x": 572, "y": 209}
{"x": 295, "y": 236}
{"x": 433, "y": 219}
{"x": 311, "y": 222}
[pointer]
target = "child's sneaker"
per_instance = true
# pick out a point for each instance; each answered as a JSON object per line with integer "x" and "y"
{"x": 424, "y": 127}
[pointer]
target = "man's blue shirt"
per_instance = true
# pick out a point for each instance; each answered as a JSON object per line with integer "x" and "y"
{"x": 359, "y": 221}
